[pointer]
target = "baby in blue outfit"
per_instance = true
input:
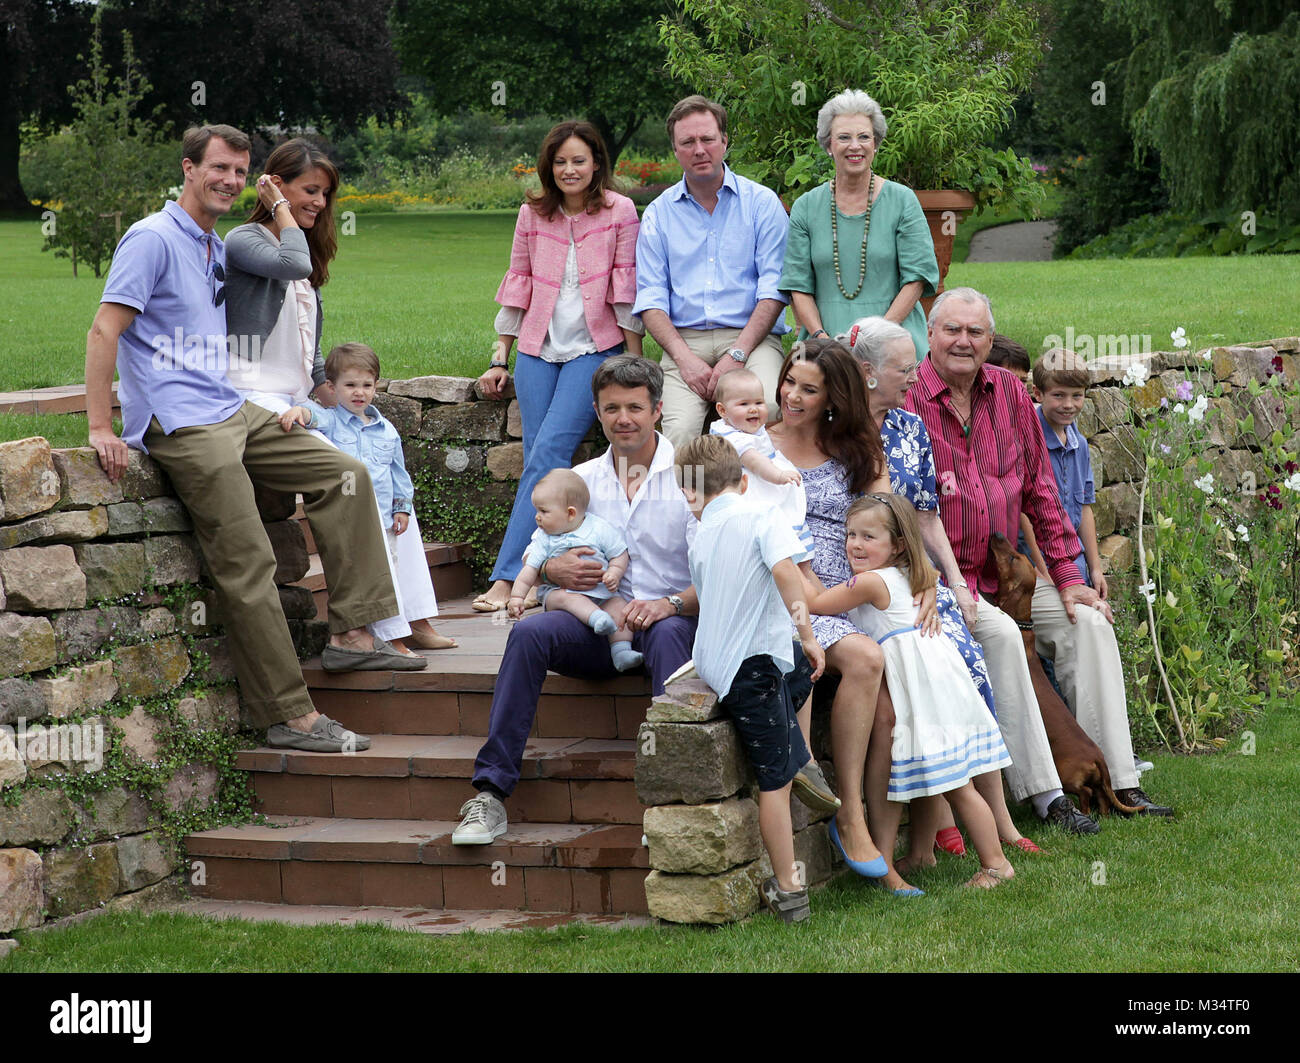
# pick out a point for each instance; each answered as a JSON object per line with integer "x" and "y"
{"x": 561, "y": 499}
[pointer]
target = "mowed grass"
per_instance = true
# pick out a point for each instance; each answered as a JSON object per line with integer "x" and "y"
{"x": 419, "y": 288}
{"x": 1212, "y": 890}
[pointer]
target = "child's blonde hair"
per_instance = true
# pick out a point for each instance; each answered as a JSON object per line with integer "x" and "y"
{"x": 568, "y": 486}
{"x": 707, "y": 464}
{"x": 900, "y": 521}
{"x": 728, "y": 382}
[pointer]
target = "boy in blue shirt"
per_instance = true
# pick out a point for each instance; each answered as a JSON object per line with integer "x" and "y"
{"x": 743, "y": 570}
{"x": 357, "y": 428}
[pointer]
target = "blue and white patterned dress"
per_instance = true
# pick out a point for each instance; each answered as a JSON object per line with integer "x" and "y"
{"x": 911, "y": 475}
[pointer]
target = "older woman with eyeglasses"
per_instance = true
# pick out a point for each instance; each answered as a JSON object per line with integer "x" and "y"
{"x": 859, "y": 245}
{"x": 885, "y": 352}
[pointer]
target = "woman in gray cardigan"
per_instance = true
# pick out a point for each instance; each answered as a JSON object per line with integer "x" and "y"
{"x": 275, "y": 266}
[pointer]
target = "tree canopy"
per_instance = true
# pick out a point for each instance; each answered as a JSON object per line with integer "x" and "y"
{"x": 587, "y": 58}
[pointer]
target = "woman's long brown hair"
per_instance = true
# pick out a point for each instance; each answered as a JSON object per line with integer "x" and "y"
{"x": 288, "y": 162}
{"x": 549, "y": 199}
{"x": 849, "y": 435}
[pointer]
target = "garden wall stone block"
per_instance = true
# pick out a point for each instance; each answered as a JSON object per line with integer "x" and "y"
{"x": 195, "y": 783}
{"x": 688, "y": 762}
{"x": 703, "y": 839}
{"x": 724, "y": 898}
{"x": 78, "y": 690}
{"x": 506, "y": 462}
{"x": 1123, "y": 501}
{"x": 403, "y": 413}
{"x": 42, "y": 578}
{"x": 451, "y": 389}
{"x": 113, "y": 813}
{"x": 1103, "y": 515}
{"x": 20, "y": 698}
{"x": 1117, "y": 553}
{"x": 64, "y": 749}
{"x": 309, "y": 637}
{"x": 467, "y": 420}
{"x": 83, "y": 632}
{"x": 214, "y": 710}
{"x": 290, "y": 548}
{"x": 13, "y": 766}
{"x": 156, "y": 516}
{"x": 1110, "y": 406}
{"x": 1238, "y": 366}
{"x": 28, "y": 480}
{"x": 82, "y": 479}
{"x": 41, "y": 817}
{"x": 173, "y": 559}
{"x": 142, "y": 860}
{"x": 1119, "y": 451}
{"x": 112, "y": 569}
{"x": 76, "y": 525}
{"x": 22, "y": 894}
{"x": 77, "y": 879}
{"x": 157, "y": 621}
{"x": 684, "y": 701}
{"x": 220, "y": 665}
{"x": 26, "y": 643}
{"x": 297, "y": 603}
{"x": 514, "y": 420}
{"x": 140, "y": 733}
{"x": 812, "y": 847}
{"x": 143, "y": 478}
{"x": 151, "y": 668}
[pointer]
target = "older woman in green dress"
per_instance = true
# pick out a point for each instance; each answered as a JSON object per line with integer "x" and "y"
{"x": 858, "y": 245}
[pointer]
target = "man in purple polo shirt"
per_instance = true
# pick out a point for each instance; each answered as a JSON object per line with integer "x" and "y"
{"x": 162, "y": 325}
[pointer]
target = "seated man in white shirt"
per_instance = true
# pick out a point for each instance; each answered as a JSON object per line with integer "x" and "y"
{"x": 633, "y": 487}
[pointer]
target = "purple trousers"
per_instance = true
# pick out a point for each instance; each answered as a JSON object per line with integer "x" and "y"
{"x": 560, "y": 642}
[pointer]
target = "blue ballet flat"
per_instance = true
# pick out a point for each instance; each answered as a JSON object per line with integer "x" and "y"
{"x": 866, "y": 868}
{"x": 910, "y": 891}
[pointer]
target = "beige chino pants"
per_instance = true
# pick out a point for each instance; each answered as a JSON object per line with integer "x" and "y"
{"x": 213, "y": 468}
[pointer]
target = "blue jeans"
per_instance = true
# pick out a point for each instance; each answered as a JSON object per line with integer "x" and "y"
{"x": 556, "y": 407}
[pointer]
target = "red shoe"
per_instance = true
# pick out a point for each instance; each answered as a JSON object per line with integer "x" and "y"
{"x": 1023, "y": 844}
{"x": 949, "y": 840}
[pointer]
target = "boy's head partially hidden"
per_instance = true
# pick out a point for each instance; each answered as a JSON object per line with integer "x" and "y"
{"x": 739, "y": 400}
{"x": 1011, "y": 356}
{"x": 561, "y": 498}
{"x": 707, "y": 467}
{"x": 1060, "y": 379}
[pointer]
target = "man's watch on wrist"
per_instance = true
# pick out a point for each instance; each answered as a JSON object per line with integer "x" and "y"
{"x": 675, "y": 600}
{"x": 738, "y": 355}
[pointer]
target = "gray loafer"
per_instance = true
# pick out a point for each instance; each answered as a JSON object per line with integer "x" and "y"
{"x": 325, "y": 736}
{"x": 383, "y": 658}
{"x": 810, "y": 787}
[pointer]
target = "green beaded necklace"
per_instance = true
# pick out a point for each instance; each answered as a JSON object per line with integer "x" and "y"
{"x": 835, "y": 240}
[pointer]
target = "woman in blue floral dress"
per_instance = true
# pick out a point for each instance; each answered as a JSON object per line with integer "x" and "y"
{"x": 888, "y": 360}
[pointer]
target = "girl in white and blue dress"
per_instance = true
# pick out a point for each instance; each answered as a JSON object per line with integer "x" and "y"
{"x": 943, "y": 734}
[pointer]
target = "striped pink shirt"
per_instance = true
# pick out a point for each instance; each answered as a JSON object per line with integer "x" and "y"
{"x": 986, "y": 480}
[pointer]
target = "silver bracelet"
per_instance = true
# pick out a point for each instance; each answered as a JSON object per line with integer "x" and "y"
{"x": 276, "y": 205}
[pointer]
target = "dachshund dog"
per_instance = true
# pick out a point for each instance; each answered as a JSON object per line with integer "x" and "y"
{"x": 1079, "y": 760}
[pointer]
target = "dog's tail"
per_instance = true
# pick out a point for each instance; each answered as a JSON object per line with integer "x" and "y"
{"x": 1106, "y": 793}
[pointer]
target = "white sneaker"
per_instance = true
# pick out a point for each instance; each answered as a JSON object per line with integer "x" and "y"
{"x": 1140, "y": 765}
{"x": 484, "y": 822}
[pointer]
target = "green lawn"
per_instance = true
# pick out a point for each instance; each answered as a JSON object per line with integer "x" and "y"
{"x": 1212, "y": 890}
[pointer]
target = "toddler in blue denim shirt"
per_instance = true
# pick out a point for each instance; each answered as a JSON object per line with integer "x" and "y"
{"x": 356, "y": 427}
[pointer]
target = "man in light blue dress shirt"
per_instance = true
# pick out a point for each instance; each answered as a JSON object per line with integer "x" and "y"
{"x": 708, "y": 262}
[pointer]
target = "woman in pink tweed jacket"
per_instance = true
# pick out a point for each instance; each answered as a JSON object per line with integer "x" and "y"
{"x": 568, "y": 297}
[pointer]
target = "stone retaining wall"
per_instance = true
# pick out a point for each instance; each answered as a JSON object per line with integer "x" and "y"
{"x": 112, "y": 671}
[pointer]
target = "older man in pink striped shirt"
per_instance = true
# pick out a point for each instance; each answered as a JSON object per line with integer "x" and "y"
{"x": 992, "y": 464}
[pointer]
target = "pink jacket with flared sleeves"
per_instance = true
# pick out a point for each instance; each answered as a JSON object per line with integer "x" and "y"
{"x": 606, "y": 249}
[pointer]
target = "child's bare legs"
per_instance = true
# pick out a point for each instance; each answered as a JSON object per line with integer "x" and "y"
{"x": 604, "y": 618}
{"x": 928, "y": 816}
{"x": 975, "y": 813}
{"x": 778, "y": 835}
{"x": 884, "y": 815}
{"x": 989, "y": 786}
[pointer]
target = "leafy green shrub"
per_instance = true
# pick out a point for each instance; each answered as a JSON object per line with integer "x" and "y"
{"x": 1227, "y": 232}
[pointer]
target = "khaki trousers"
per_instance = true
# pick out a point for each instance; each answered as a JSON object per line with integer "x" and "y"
{"x": 213, "y": 468}
{"x": 684, "y": 411}
{"x": 1087, "y": 648}
{"x": 1033, "y": 771}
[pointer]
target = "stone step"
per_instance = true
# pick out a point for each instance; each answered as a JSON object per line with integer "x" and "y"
{"x": 403, "y": 777}
{"x": 539, "y": 867}
{"x": 448, "y": 568}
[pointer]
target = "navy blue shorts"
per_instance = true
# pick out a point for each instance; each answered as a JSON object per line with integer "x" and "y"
{"x": 762, "y": 704}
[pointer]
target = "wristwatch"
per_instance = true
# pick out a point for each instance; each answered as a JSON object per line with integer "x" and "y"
{"x": 675, "y": 600}
{"x": 738, "y": 355}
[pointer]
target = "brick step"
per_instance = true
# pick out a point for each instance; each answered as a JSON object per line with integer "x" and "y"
{"x": 403, "y": 777}
{"x": 450, "y": 572}
{"x": 539, "y": 867}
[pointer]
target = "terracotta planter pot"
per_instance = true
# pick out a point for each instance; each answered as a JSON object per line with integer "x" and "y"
{"x": 943, "y": 210}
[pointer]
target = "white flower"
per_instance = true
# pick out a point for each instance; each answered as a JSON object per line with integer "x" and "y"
{"x": 1179, "y": 336}
{"x": 1292, "y": 482}
{"x": 1197, "y": 411}
{"x": 1242, "y": 533}
{"x": 1206, "y": 355}
{"x": 1206, "y": 483}
{"x": 1136, "y": 375}
{"x": 1148, "y": 590}
{"x": 1179, "y": 407}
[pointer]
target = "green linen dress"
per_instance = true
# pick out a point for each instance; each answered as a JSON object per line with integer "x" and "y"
{"x": 899, "y": 250}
